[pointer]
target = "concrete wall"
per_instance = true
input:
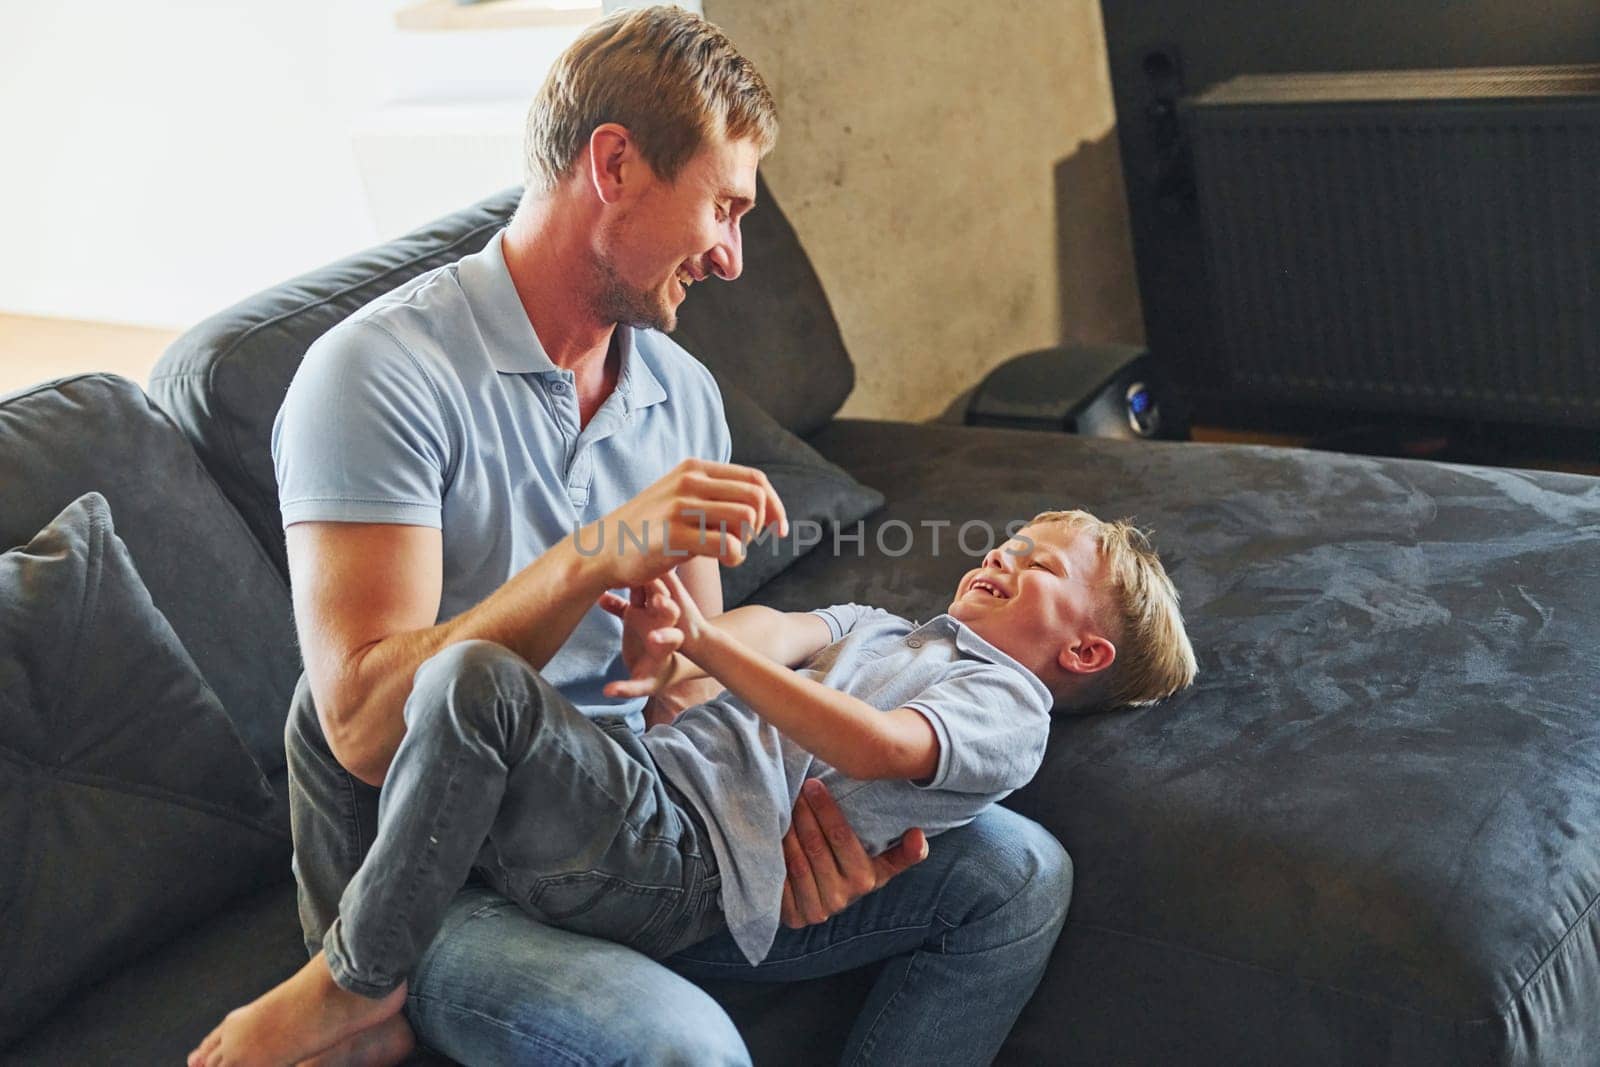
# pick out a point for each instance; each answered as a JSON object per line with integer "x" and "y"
{"x": 925, "y": 149}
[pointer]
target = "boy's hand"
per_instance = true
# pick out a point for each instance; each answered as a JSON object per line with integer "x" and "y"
{"x": 689, "y": 620}
{"x": 650, "y": 637}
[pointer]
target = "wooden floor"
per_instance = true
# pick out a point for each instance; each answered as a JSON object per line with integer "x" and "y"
{"x": 34, "y": 350}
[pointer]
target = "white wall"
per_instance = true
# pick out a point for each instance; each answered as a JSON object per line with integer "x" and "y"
{"x": 164, "y": 160}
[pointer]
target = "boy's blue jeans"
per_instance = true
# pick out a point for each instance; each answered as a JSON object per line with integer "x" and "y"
{"x": 967, "y": 931}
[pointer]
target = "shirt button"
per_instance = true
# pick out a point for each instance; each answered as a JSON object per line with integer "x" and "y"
{"x": 559, "y": 388}
{"x": 915, "y": 642}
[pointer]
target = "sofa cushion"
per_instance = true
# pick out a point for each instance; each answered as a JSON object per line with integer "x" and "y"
{"x": 158, "y": 1008}
{"x": 1371, "y": 831}
{"x": 224, "y": 380}
{"x": 772, "y": 333}
{"x": 817, "y": 495}
{"x": 207, "y": 575}
{"x": 130, "y": 806}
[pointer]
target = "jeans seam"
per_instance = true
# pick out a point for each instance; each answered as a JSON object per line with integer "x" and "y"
{"x": 581, "y": 767}
{"x": 603, "y": 788}
{"x": 950, "y": 927}
{"x": 864, "y": 1053}
{"x": 832, "y": 946}
{"x": 344, "y": 975}
{"x": 523, "y": 1035}
{"x": 353, "y": 813}
{"x": 666, "y": 901}
{"x": 387, "y": 936}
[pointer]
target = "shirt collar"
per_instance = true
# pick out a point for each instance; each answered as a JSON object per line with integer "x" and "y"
{"x": 968, "y": 642}
{"x": 514, "y": 347}
{"x": 497, "y": 309}
{"x": 635, "y": 379}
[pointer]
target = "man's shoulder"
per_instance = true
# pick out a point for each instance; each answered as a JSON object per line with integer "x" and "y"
{"x": 418, "y": 308}
{"x": 408, "y": 327}
{"x": 679, "y": 372}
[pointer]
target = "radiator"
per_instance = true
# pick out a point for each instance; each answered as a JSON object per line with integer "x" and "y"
{"x": 1406, "y": 241}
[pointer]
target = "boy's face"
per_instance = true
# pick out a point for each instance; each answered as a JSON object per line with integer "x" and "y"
{"x": 1044, "y": 606}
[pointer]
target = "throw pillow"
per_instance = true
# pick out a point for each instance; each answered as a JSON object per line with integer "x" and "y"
{"x": 129, "y": 807}
{"x": 816, "y": 494}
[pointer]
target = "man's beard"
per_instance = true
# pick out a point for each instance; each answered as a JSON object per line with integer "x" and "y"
{"x": 628, "y": 305}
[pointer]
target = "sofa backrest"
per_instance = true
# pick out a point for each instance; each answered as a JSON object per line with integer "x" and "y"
{"x": 204, "y": 570}
{"x": 223, "y": 381}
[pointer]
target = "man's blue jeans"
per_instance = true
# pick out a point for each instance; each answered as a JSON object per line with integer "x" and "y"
{"x": 967, "y": 933}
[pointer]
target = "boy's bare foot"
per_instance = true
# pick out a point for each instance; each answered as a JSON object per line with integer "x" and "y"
{"x": 384, "y": 1045}
{"x": 301, "y": 1017}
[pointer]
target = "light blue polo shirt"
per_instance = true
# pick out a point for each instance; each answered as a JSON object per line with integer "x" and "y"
{"x": 436, "y": 405}
{"x": 990, "y": 713}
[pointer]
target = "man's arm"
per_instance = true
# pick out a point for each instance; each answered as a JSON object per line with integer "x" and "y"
{"x": 365, "y": 600}
{"x": 366, "y": 597}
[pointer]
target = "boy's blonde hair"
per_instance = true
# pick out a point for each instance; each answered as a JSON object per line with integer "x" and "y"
{"x": 669, "y": 76}
{"x": 1154, "y": 657}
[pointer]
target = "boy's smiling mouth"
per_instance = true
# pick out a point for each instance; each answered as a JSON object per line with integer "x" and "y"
{"x": 988, "y": 587}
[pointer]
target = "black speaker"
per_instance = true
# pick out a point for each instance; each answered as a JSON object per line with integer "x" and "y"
{"x": 1094, "y": 390}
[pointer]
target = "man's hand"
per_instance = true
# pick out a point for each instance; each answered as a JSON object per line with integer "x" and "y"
{"x": 828, "y": 868}
{"x": 698, "y": 508}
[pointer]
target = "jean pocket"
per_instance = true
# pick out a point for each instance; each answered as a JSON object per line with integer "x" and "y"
{"x": 602, "y": 905}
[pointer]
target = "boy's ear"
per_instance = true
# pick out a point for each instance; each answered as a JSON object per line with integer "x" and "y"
{"x": 1087, "y": 654}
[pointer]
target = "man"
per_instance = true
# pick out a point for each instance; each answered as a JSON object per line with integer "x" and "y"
{"x": 436, "y": 455}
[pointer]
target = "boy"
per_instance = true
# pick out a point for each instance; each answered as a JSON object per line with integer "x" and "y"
{"x": 667, "y": 839}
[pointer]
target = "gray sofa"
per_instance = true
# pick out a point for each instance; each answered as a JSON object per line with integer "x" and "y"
{"x": 1369, "y": 834}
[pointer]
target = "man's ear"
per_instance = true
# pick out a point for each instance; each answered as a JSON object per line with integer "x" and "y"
{"x": 613, "y": 160}
{"x": 1087, "y": 654}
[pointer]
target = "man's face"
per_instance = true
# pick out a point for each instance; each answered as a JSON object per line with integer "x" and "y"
{"x": 674, "y": 234}
{"x": 1030, "y": 602}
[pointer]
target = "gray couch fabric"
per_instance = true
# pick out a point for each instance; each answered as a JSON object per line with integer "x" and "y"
{"x": 224, "y": 380}
{"x": 812, "y": 490}
{"x": 206, "y": 574}
{"x": 1371, "y": 832}
{"x": 157, "y": 1010}
{"x": 130, "y": 806}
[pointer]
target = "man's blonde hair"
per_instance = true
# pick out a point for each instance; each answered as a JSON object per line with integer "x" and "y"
{"x": 669, "y": 76}
{"x": 1154, "y": 657}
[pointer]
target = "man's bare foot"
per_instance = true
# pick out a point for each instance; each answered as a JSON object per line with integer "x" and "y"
{"x": 384, "y": 1045}
{"x": 301, "y": 1017}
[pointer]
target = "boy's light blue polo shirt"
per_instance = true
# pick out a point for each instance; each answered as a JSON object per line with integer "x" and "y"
{"x": 990, "y": 713}
{"x": 436, "y": 405}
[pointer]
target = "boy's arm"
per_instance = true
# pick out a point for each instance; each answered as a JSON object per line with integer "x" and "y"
{"x": 850, "y": 734}
{"x": 786, "y": 637}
